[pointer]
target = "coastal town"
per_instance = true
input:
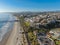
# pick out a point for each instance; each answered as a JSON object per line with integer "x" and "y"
{"x": 32, "y": 28}
{"x": 29, "y": 22}
{"x": 41, "y": 29}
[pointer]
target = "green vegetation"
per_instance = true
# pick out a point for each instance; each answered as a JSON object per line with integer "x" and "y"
{"x": 32, "y": 38}
{"x": 42, "y": 30}
{"x": 57, "y": 42}
{"x": 27, "y": 24}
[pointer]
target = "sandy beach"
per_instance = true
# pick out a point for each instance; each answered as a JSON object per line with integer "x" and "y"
{"x": 13, "y": 37}
{"x": 5, "y": 33}
{"x": 6, "y": 36}
{"x": 16, "y": 36}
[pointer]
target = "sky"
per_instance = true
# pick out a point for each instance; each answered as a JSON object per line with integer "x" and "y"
{"x": 29, "y": 5}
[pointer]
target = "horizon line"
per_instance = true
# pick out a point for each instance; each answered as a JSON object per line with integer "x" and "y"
{"x": 29, "y": 11}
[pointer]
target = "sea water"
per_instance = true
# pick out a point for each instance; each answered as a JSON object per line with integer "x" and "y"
{"x": 5, "y": 26}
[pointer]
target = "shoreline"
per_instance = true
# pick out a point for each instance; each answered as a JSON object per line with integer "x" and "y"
{"x": 13, "y": 36}
{"x": 5, "y": 37}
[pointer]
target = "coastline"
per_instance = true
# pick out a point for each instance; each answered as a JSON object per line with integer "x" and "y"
{"x": 12, "y": 40}
{"x": 6, "y": 36}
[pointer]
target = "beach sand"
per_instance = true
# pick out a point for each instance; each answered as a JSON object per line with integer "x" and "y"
{"x": 6, "y": 36}
{"x": 16, "y": 37}
{"x": 13, "y": 37}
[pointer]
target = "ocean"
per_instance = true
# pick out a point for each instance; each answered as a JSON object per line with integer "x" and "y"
{"x": 5, "y": 26}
